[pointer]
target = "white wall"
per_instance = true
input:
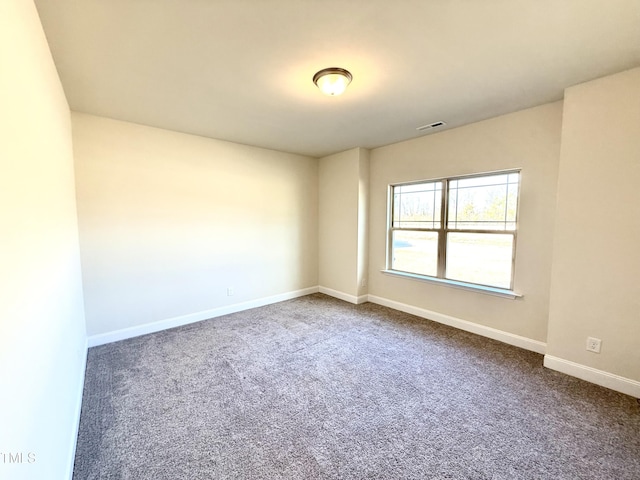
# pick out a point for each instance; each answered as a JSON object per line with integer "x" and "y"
{"x": 529, "y": 139}
{"x": 595, "y": 288}
{"x": 343, "y": 223}
{"x": 169, "y": 221}
{"x": 42, "y": 333}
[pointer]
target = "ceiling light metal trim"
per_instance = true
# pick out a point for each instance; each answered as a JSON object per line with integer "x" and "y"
{"x": 341, "y": 76}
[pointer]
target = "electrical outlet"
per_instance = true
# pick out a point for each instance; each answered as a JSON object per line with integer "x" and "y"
{"x": 593, "y": 344}
{"x": 230, "y": 292}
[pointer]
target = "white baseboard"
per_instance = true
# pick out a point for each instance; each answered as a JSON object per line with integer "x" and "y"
{"x": 589, "y": 374}
{"x": 343, "y": 296}
{"x": 76, "y": 414}
{"x": 500, "y": 335}
{"x": 593, "y": 375}
{"x": 160, "y": 325}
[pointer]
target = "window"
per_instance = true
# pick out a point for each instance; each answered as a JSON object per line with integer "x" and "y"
{"x": 460, "y": 229}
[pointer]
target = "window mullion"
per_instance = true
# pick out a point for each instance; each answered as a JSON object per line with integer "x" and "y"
{"x": 442, "y": 233}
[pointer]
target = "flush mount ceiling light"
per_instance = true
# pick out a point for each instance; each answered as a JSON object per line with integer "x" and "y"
{"x": 332, "y": 81}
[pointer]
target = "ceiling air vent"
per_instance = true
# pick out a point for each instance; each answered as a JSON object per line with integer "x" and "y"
{"x": 430, "y": 126}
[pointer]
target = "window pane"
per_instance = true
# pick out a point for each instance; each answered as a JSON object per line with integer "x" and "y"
{"x": 417, "y": 206}
{"x": 486, "y": 180}
{"x": 396, "y": 207}
{"x": 484, "y": 203}
{"x": 415, "y": 252}
{"x": 483, "y": 258}
{"x": 512, "y": 205}
{"x": 417, "y": 187}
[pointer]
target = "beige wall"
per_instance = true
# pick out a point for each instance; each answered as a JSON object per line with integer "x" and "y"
{"x": 595, "y": 287}
{"x": 363, "y": 220}
{"x": 343, "y": 184}
{"x": 169, "y": 221}
{"x": 42, "y": 333}
{"x": 530, "y": 140}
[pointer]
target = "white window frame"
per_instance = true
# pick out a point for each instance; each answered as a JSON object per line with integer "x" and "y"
{"x": 444, "y": 230}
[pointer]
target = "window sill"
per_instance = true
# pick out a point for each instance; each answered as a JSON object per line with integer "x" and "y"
{"x": 498, "y": 292}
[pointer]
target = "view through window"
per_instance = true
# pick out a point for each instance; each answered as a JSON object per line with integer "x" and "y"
{"x": 461, "y": 228}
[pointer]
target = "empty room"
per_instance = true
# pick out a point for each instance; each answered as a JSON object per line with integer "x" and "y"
{"x": 296, "y": 239}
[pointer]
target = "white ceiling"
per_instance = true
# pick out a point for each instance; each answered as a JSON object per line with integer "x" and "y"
{"x": 241, "y": 70}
